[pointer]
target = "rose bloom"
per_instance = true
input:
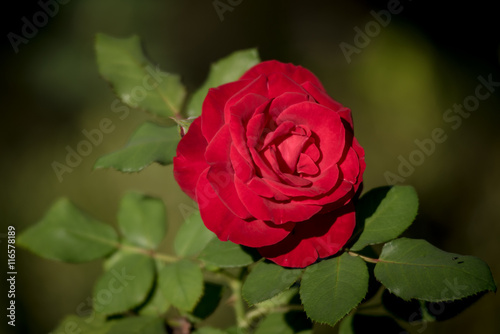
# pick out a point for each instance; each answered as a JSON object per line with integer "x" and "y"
{"x": 273, "y": 164}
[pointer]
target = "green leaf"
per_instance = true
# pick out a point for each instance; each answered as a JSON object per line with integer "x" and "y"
{"x": 192, "y": 236}
{"x": 142, "y": 220}
{"x": 284, "y": 323}
{"x": 149, "y": 143}
{"x": 135, "y": 80}
{"x": 181, "y": 284}
{"x": 227, "y": 69}
{"x": 332, "y": 288}
{"x": 75, "y": 324}
{"x": 290, "y": 296}
{"x": 138, "y": 325}
{"x": 415, "y": 269}
{"x": 361, "y": 324}
{"x": 156, "y": 304}
{"x": 67, "y": 234}
{"x": 267, "y": 280}
{"x": 384, "y": 213}
{"x": 124, "y": 285}
{"x": 227, "y": 254}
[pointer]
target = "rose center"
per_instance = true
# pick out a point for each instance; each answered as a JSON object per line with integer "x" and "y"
{"x": 291, "y": 149}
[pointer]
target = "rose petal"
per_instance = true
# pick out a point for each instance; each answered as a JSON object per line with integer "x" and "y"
{"x": 350, "y": 167}
{"x": 321, "y": 236}
{"x": 289, "y": 151}
{"x": 218, "y": 149}
{"x": 279, "y": 84}
{"x": 285, "y": 100}
{"x": 335, "y": 198}
{"x": 326, "y": 125}
{"x": 214, "y": 104}
{"x": 312, "y": 150}
{"x": 319, "y": 185}
{"x": 324, "y": 99}
{"x": 306, "y": 165}
{"x": 296, "y": 73}
{"x": 218, "y": 219}
{"x": 276, "y": 212}
{"x": 221, "y": 177}
{"x": 189, "y": 161}
{"x": 241, "y": 113}
{"x": 254, "y": 88}
{"x": 282, "y": 130}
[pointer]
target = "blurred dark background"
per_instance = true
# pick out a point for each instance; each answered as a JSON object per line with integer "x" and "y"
{"x": 399, "y": 85}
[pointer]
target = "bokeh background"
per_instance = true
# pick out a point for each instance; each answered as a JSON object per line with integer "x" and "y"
{"x": 399, "y": 85}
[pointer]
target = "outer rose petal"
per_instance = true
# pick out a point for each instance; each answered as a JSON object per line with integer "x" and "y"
{"x": 190, "y": 162}
{"x": 218, "y": 219}
{"x": 296, "y": 73}
{"x": 214, "y": 104}
{"x": 316, "y": 238}
{"x": 278, "y": 213}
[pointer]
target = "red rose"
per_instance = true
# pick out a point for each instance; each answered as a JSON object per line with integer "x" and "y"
{"x": 273, "y": 164}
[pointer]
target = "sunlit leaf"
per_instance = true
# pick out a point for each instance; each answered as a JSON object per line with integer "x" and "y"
{"x": 227, "y": 254}
{"x": 332, "y": 288}
{"x": 181, "y": 284}
{"x": 136, "y": 81}
{"x": 124, "y": 285}
{"x": 192, "y": 236}
{"x": 142, "y": 220}
{"x": 149, "y": 143}
{"x": 67, "y": 234}
{"x": 384, "y": 213}
{"x": 416, "y": 269}
{"x": 267, "y": 280}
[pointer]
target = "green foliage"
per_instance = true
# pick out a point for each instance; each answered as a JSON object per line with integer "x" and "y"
{"x": 68, "y": 234}
{"x": 139, "y": 284}
{"x": 192, "y": 236}
{"x": 416, "y": 269}
{"x": 124, "y": 285}
{"x": 142, "y": 220}
{"x": 227, "y": 254}
{"x": 267, "y": 280}
{"x": 181, "y": 283}
{"x": 384, "y": 213}
{"x": 227, "y": 69}
{"x": 136, "y": 81}
{"x": 332, "y": 288}
{"x": 149, "y": 143}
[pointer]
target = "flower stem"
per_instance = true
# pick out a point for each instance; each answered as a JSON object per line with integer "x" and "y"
{"x": 147, "y": 252}
{"x": 239, "y": 307}
{"x": 366, "y": 258}
{"x": 261, "y": 311}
